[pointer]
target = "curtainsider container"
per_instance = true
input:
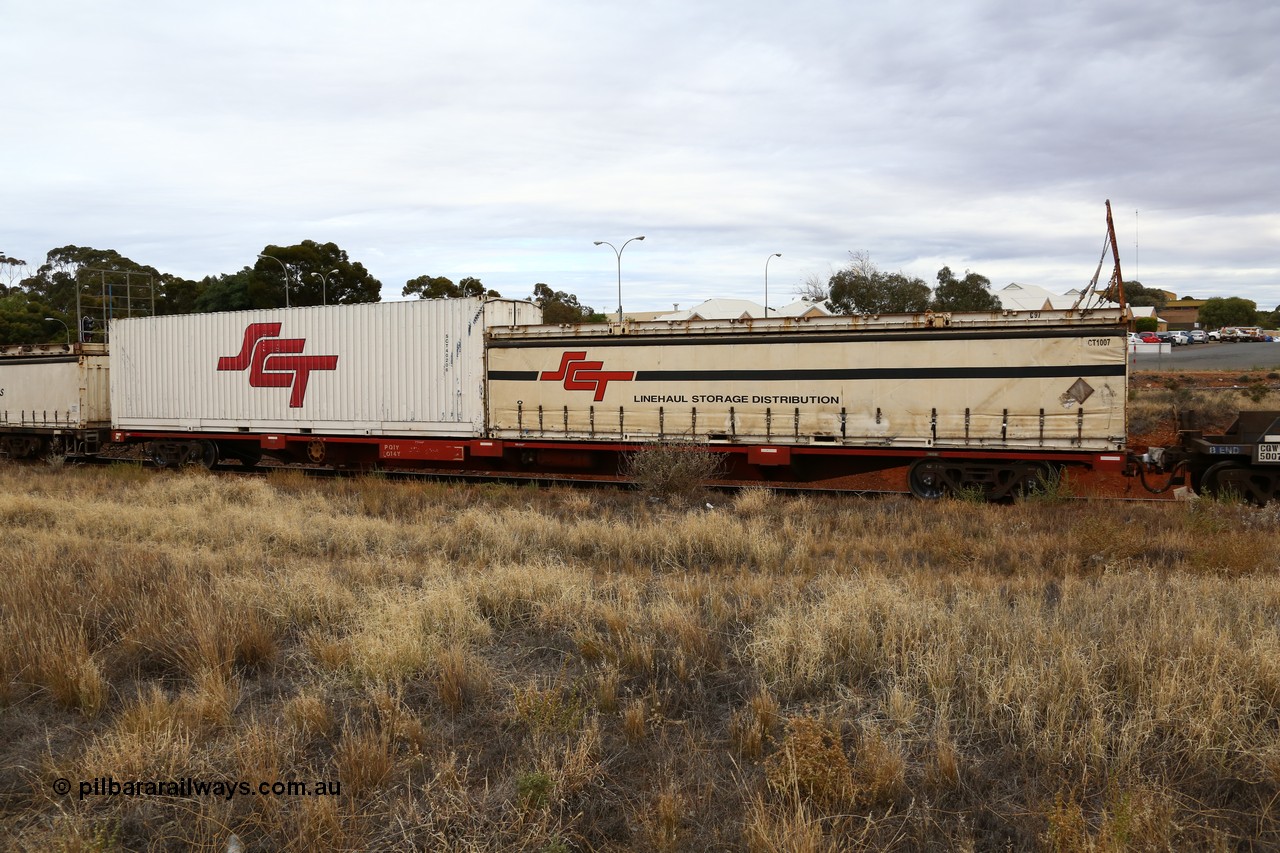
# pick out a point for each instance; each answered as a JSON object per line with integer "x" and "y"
{"x": 53, "y": 397}
{"x": 405, "y": 369}
{"x": 1009, "y": 380}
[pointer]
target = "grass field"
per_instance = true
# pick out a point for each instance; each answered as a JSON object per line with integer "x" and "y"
{"x": 496, "y": 667}
{"x": 505, "y": 668}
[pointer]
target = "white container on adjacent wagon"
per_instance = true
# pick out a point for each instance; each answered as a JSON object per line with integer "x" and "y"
{"x": 54, "y": 387}
{"x": 413, "y": 368}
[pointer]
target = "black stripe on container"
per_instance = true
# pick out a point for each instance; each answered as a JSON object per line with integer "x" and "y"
{"x": 855, "y": 373}
{"x": 513, "y": 375}
{"x": 747, "y": 338}
{"x": 39, "y": 359}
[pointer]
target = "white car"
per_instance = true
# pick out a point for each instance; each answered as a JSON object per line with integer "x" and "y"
{"x": 1197, "y": 336}
{"x": 1180, "y": 339}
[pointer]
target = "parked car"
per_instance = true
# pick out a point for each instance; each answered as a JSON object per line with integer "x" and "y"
{"x": 1148, "y": 337}
{"x": 1197, "y": 336}
{"x": 1179, "y": 338}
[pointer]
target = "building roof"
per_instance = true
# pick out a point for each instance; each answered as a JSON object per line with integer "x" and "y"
{"x": 743, "y": 309}
{"x": 1033, "y": 297}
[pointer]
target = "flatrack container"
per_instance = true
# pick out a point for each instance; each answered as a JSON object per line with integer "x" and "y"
{"x": 413, "y": 368}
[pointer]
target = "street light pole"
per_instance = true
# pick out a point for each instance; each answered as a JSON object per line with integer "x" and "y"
{"x": 286, "y": 276}
{"x": 766, "y": 282}
{"x": 64, "y": 325}
{"x": 324, "y": 285}
{"x": 618, "y": 252}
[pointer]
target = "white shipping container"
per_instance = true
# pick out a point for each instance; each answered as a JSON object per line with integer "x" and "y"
{"x": 54, "y": 391}
{"x": 396, "y": 368}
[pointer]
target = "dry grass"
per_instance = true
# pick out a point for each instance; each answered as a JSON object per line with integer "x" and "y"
{"x": 495, "y": 668}
{"x": 1204, "y": 408}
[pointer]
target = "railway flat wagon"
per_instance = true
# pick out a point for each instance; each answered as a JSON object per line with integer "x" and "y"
{"x": 53, "y": 399}
{"x": 350, "y": 384}
{"x": 970, "y": 400}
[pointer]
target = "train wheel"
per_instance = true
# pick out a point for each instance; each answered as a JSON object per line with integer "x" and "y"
{"x": 316, "y": 452}
{"x": 160, "y": 457}
{"x": 925, "y": 480}
{"x": 208, "y": 454}
{"x": 1229, "y": 480}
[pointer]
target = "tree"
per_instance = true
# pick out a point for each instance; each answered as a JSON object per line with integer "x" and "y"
{"x": 176, "y": 295}
{"x": 95, "y": 276}
{"x": 11, "y": 269}
{"x": 815, "y": 288}
{"x": 439, "y": 287}
{"x": 1229, "y": 311}
{"x": 1145, "y": 324}
{"x": 22, "y": 321}
{"x": 1137, "y": 295}
{"x": 861, "y": 288}
{"x": 225, "y": 292}
{"x": 310, "y": 265}
{"x": 563, "y": 308}
{"x": 102, "y": 276}
{"x": 971, "y": 293}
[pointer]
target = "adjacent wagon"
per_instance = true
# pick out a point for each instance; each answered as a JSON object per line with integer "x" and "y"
{"x": 53, "y": 399}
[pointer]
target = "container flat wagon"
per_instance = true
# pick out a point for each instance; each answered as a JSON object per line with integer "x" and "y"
{"x": 994, "y": 401}
{"x": 53, "y": 399}
{"x": 988, "y": 401}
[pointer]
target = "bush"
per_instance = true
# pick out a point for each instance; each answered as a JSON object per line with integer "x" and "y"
{"x": 675, "y": 472}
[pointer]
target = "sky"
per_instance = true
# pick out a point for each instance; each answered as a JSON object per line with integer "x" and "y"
{"x": 501, "y": 138}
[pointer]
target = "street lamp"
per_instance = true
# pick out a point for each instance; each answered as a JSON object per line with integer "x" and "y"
{"x": 324, "y": 285}
{"x": 618, "y": 252}
{"x": 286, "y": 275}
{"x": 64, "y": 325}
{"x": 766, "y": 281}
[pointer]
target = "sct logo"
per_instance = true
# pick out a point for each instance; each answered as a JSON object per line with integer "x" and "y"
{"x": 274, "y": 362}
{"x": 578, "y": 374}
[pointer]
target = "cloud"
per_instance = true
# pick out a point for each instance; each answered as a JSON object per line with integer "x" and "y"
{"x": 499, "y": 139}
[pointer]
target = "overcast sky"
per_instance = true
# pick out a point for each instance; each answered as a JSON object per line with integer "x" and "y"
{"x": 499, "y": 139}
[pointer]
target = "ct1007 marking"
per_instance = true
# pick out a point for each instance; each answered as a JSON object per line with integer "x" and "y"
{"x": 274, "y": 362}
{"x": 577, "y": 374}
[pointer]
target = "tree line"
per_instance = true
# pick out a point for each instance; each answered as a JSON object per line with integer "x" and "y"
{"x": 44, "y": 306}
{"x": 862, "y": 288}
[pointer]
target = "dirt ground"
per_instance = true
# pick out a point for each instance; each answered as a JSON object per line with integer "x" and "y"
{"x": 1204, "y": 378}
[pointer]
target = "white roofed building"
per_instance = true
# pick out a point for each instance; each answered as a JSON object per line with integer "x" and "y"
{"x": 1033, "y": 297}
{"x": 744, "y": 309}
